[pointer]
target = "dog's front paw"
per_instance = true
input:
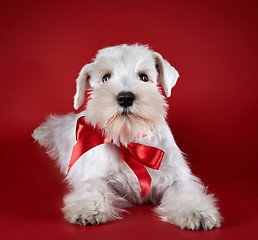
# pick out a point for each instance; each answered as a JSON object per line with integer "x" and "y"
{"x": 197, "y": 220}
{"x": 88, "y": 213}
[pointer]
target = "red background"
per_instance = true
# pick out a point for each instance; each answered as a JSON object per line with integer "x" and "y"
{"x": 213, "y": 108}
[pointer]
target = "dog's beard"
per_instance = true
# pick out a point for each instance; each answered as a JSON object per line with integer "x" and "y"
{"x": 125, "y": 125}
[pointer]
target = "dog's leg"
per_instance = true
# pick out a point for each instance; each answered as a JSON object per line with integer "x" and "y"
{"x": 93, "y": 203}
{"x": 187, "y": 205}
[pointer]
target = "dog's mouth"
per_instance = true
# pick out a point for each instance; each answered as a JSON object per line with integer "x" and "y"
{"x": 126, "y": 126}
{"x": 126, "y": 112}
{"x": 126, "y": 115}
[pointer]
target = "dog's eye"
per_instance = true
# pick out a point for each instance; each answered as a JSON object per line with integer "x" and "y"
{"x": 106, "y": 77}
{"x": 144, "y": 77}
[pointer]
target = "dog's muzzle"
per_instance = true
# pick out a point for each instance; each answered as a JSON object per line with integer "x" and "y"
{"x": 125, "y": 99}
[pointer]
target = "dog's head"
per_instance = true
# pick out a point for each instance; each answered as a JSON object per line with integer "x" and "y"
{"x": 125, "y": 100}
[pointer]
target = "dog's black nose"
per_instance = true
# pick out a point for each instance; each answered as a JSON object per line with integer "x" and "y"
{"x": 125, "y": 99}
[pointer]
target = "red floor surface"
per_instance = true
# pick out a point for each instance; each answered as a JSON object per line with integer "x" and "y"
{"x": 213, "y": 108}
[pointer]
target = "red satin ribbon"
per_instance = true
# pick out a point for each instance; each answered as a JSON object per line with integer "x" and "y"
{"x": 135, "y": 155}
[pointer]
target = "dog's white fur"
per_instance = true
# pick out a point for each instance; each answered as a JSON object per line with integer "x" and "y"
{"x": 102, "y": 184}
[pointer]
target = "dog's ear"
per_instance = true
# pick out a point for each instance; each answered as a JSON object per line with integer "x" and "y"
{"x": 168, "y": 75}
{"x": 82, "y": 84}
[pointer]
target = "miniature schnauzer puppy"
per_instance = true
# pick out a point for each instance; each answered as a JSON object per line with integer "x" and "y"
{"x": 126, "y": 106}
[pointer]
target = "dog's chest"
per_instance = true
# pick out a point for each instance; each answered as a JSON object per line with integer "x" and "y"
{"x": 105, "y": 161}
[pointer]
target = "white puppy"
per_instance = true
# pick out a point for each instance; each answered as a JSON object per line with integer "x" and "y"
{"x": 126, "y": 104}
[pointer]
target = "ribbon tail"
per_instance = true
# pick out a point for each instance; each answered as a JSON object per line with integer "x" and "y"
{"x": 141, "y": 173}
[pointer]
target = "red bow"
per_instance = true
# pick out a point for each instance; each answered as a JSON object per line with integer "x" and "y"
{"x": 135, "y": 155}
